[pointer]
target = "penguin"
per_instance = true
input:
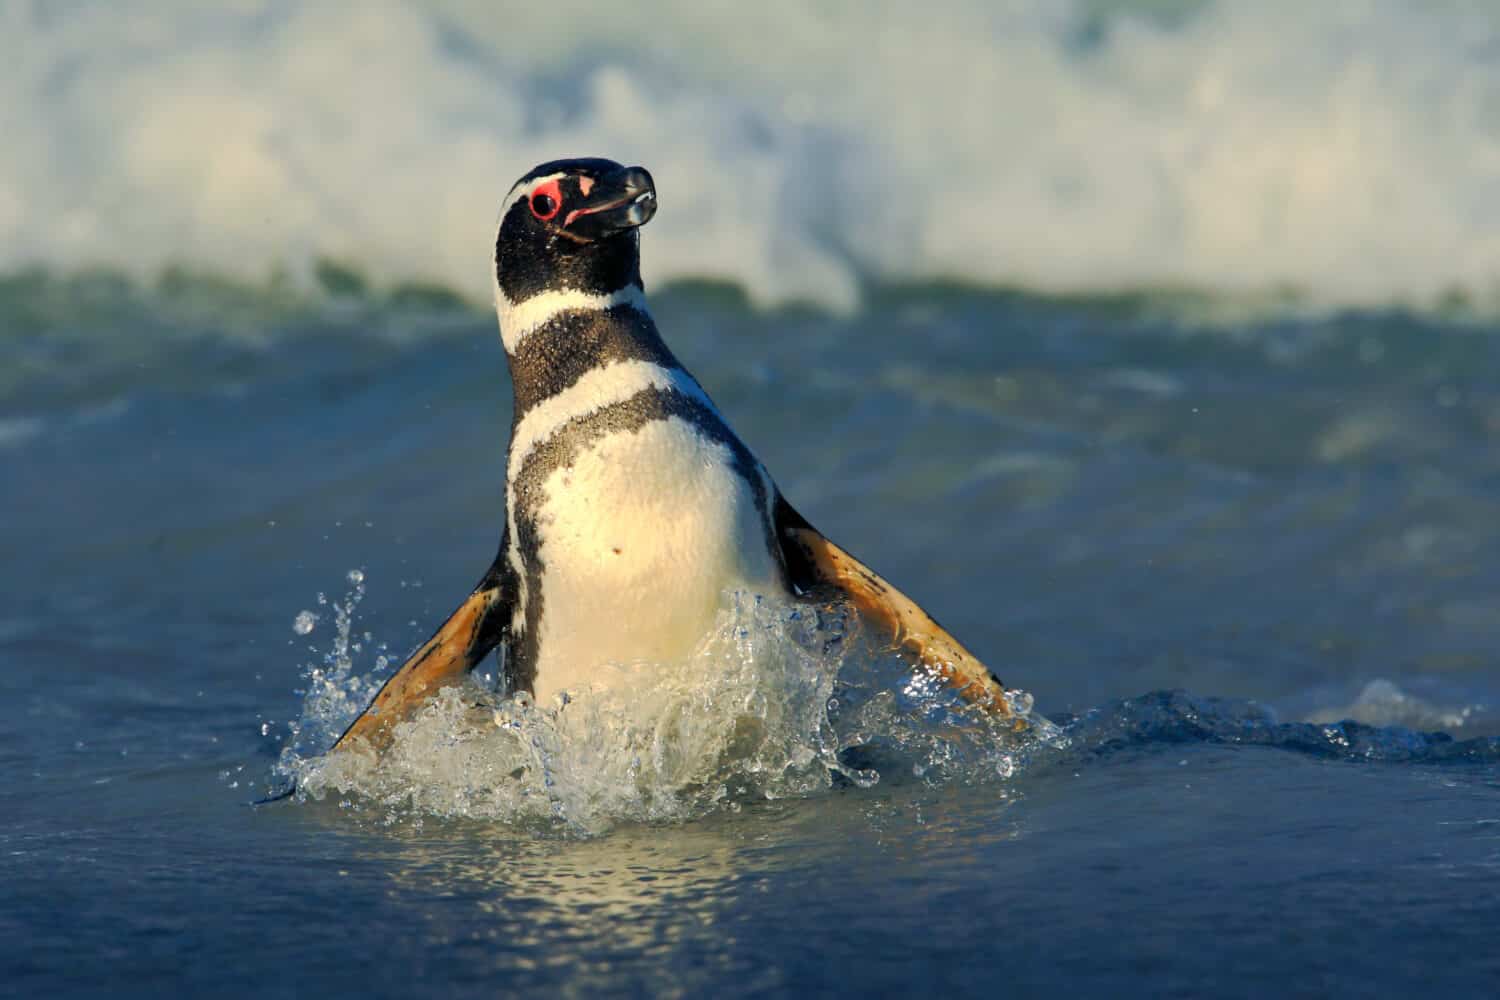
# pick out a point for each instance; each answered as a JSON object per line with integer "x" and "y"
{"x": 631, "y": 506}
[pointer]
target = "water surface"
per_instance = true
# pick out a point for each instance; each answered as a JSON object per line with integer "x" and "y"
{"x": 1199, "y": 540}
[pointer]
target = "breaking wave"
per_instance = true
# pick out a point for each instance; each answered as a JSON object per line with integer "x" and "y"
{"x": 1349, "y": 150}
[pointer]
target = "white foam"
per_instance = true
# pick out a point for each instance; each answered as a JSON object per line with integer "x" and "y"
{"x": 1348, "y": 148}
{"x": 765, "y": 706}
{"x": 744, "y": 716}
{"x": 1382, "y": 703}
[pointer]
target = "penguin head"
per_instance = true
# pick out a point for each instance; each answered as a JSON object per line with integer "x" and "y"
{"x": 570, "y": 226}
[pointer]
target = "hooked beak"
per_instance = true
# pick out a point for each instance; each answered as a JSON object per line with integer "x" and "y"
{"x": 616, "y": 202}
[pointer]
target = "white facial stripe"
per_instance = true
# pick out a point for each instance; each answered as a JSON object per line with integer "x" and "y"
{"x": 520, "y": 319}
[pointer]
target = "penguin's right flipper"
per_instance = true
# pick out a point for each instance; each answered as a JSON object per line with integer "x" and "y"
{"x": 814, "y": 560}
{"x": 464, "y": 639}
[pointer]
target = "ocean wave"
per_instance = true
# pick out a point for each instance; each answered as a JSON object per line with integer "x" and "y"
{"x": 1350, "y": 150}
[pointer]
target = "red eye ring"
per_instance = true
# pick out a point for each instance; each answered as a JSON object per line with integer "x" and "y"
{"x": 546, "y": 200}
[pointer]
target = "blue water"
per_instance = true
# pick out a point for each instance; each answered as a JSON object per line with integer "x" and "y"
{"x": 1186, "y": 536}
{"x": 1152, "y": 345}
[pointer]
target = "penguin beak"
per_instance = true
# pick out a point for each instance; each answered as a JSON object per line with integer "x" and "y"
{"x": 616, "y": 202}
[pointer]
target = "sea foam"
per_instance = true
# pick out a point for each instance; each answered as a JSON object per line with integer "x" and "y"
{"x": 1349, "y": 149}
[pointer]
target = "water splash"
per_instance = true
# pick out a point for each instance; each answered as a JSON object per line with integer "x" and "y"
{"x": 779, "y": 700}
{"x": 334, "y": 692}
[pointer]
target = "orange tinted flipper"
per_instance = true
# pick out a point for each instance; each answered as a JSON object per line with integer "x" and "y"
{"x": 465, "y": 638}
{"x": 913, "y": 630}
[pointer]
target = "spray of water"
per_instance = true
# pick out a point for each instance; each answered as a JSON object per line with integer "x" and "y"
{"x": 778, "y": 700}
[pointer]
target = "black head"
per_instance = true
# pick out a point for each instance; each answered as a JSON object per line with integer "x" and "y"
{"x": 570, "y": 225}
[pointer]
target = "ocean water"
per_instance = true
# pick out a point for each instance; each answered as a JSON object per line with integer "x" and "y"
{"x": 1167, "y": 376}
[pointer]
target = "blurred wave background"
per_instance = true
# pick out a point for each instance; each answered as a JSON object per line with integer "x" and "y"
{"x": 1346, "y": 152}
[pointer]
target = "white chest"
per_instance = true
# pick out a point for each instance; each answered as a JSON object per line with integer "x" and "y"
{"x": 641, "y": 537}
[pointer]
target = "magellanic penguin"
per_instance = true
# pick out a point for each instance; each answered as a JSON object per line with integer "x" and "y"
{"x": 631, "y": 508}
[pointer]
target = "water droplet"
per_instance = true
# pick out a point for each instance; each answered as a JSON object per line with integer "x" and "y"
{"x": 304, "y": 622}
{"x": 356, "y": 577}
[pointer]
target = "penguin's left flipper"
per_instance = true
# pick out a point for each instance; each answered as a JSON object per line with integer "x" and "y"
{"x": 815, "y": 561}
{"x": 464, "y": 639}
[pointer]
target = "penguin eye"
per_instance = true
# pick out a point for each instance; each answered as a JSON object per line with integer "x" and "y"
{"x": 546, "y": 200}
